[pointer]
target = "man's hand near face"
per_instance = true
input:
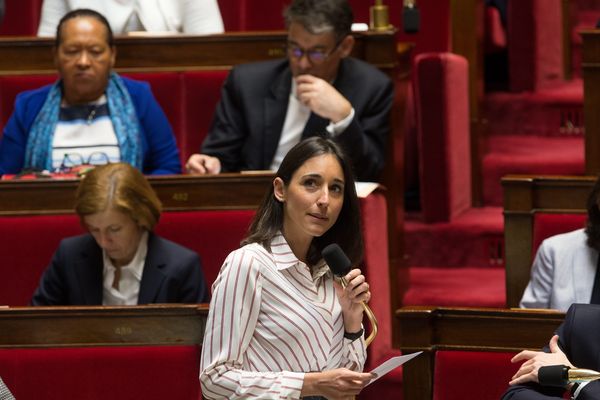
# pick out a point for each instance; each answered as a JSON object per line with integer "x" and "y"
{"x": 322, "y": 98}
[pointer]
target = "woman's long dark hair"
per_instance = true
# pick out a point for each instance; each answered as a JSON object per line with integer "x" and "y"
{"x": 592, "y": 228}
{"x": 346, "y": 231}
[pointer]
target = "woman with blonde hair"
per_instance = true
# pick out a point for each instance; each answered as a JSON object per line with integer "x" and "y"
{"x": 120, "y": 261}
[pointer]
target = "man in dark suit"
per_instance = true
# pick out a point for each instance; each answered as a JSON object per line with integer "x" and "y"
{"x": 318, "y": 89}
{"x": 576, "y": 345}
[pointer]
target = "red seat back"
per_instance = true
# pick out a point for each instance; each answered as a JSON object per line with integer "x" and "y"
{"x": 487, "y": 373}
{"x": 546, "y": 225}
{"x": 28, "y": 243}
{"x": 119, "y": 373}
{"x": 21, "y": 18}
{"x": 202, "y": 93}
{"x": 212, "y": 234}
{"x": 442, "y": 107}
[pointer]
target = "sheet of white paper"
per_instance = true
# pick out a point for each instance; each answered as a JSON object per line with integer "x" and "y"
{"x": 392, "y": 363}
{"x": 363, "y": 189}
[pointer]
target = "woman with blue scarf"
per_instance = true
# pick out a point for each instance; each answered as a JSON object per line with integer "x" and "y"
{"x": 90, "y": 115}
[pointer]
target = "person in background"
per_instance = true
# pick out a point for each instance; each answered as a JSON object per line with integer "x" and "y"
{"x": 566, "y": 266}
{"x": 574, "y": 345}
{"x": 91, "y": 115}
{"x": 279, "y": 326}
{"x": 194, "y": 17}
{"x": 268, "y": 107}
{"x": 120, "y": 261}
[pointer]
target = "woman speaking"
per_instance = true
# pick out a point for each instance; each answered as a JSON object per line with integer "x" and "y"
{"x": 279, "y": 326}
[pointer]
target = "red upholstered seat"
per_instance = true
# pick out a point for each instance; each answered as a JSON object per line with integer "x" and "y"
{"x": 28, "y": 243}
{"x": 534, "y": 50}
{"x": 11, "y": 86}
{"x": 460, "y": 375}
{"x": 21, "y": 18}
{"x": 546, "y": 225}
{"x": 442, "y": 106}
{"x": 376, "y": 268}
{"x": 167, "y": 88}
{"x": 95, "y": 373}
{"x": 201, "y": 95}
{"x": 212, "y": 234}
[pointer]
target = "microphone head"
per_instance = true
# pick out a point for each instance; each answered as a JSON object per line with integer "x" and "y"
{"x": 553, "y": 375}
{"x": 337, "y": 260}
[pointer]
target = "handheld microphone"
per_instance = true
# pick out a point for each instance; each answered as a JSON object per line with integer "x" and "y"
{"x": 340, "y": 265}
{"x": 561, "y": 375}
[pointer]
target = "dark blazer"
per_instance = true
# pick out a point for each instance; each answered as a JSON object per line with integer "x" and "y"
{"x": 580, "y": 341}
{"x": 172, "y": 274}
{"x": 249, "y": 118}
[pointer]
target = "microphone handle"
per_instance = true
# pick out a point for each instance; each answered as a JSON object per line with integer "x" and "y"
{"x": 582, "y": 375}
{"x": 370, "y": 315}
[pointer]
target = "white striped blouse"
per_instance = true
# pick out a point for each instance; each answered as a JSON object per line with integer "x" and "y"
{"x": 270, "y": 322}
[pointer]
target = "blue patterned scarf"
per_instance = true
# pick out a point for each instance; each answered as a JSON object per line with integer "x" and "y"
{"x": 38, "y": 153}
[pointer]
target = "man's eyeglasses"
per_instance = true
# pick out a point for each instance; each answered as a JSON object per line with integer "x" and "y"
{"x": 72, "y": 160}
{"x": 315, "y": 56}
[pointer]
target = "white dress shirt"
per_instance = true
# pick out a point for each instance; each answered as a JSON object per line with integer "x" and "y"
{"x": 271, "y": 320}
{"x": 131, "y": 278}
{"x": 296, "y": 117}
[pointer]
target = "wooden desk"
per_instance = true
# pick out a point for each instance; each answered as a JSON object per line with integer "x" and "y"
{"x": 591, "y": 99}
{"x": 524, "y": 195}
{"x": 167, "y": 324}
{"x": 430, "y": 329}
{"x": 33, "y": 55}
{"x": 176, "y": 192}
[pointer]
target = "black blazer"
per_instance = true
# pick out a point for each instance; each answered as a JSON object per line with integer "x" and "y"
{"x": 579, "y": 338}
{"x": 172, "y": 274}
{"x": 249, "y": 118}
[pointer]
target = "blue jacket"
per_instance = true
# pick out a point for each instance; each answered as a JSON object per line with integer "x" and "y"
{"x": 159, "y": 150}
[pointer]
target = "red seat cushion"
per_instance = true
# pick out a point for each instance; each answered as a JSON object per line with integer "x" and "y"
{"x": 459, "y": 375}
{"x": 119, "y": 373}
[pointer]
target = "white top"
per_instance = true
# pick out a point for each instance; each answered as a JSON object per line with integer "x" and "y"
{"x": 131, "y": 278}
{"x": 270, "y": 321}
{"x": 562, "y": 273}
{"x": 84, "y": 134}
{"x": 296, "y": 117}
{"x": 199, "y": 17}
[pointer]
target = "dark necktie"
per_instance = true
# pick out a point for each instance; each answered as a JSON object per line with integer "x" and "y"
{"x": 596, "y": 290}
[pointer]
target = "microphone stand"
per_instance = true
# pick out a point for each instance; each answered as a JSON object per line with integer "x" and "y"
{"x": 370, "y": 316}
{"x": 582, "y": 375}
